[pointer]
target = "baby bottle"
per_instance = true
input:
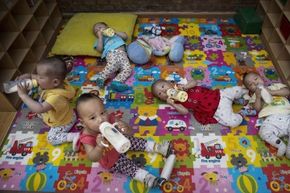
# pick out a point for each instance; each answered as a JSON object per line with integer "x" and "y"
{"x": 108, "y": 32}
{"x": 115, "y": 137}
{"x": 168, "y": 167}
{"x": 178, "y": 95}
{"x": 11, "y": 86}
{"x": 266, "y": 96}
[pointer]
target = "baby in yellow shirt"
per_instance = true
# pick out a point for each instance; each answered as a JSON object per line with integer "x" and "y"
{"x": 54, "y": 100}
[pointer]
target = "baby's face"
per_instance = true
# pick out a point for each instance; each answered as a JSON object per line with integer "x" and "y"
{"x": 99, "y": 27}
{"x": 252, "y": 81}
{"x": 161, "y": 89}
{"x": 43, "y": 79}
{"x": 92, "y": 114}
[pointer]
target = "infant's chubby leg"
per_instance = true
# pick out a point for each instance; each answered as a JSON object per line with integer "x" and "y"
{"x": 124, "y": 66}
{"x": 273, "y": 128}
{"x": 224, "y": 113}
{"x": 124, "y": 74}
{"x": 234, "y": 92}
{"x": 271, "y": 134}
{"x": 110, "y": 68}
{"x": 125, "y": 70}
{"x": 228, "y": 118}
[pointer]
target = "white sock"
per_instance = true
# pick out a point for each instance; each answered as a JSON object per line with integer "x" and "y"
{"x": 140, "y": 175}
{"x": 279, "y": 144}
{"x": 71, "y": 136}
{"x": 272, "y": 139}
{"x": 150, "y": 146}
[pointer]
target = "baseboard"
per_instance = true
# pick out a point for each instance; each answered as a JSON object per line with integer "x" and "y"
{"x": 186, "y": 14}
{"x": 174, "y": 14}
{"x": 6, "y": 120}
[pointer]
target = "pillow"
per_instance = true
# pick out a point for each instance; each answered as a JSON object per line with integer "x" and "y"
{"x": 77, "y": 37}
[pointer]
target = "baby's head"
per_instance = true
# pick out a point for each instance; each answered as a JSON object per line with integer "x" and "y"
{"x": 160, "y": 87}
{"x": 91, "y": 111}
{"x": 51, "y": 73}
{"x": 252, "y": 80}
{"x": 100, "y": 26}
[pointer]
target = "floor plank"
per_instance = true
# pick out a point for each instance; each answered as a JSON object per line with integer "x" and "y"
{"x": 6, "y": 119}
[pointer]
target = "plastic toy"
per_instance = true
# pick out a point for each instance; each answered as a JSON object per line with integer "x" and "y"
{"x": 140, "y": 50}
{"x": 160, "y": 45}
{"x": 177, "y": 49}
{"x": 154, "y": 29}
{"x": 248, "y": 110}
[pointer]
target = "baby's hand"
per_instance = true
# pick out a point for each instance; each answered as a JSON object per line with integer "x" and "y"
{"x": 22, "y": 89}
{"x": 181, "y": 87}
{"x": 170, "y": 101}
{"x": 99, "y": 140}
{"x": 100, "y": 34}
{"x": 258, "y": 92}
{"x": 124, "y": 128}
{"x": 24, "y": 76}
{"x": 269, "y": 91}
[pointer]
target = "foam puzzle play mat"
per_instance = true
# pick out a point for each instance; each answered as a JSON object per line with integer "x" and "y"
{"x": 209, "y": 158}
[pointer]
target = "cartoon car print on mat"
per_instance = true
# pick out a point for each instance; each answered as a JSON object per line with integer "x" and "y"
{"x": 21, "y": 148}
{"x": 145, "y": 78}
{"x": 223, "y": 78}
{"x": 175, "y": 124}
{"x": 215, "y": 150}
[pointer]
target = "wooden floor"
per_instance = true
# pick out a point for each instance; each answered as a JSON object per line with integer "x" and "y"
{"x": 6, "y": 119}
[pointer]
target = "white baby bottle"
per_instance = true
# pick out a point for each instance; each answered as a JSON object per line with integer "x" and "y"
{"x": 168, "y": 167}
{"x": 11, "y": 86}
{"x": 266, "y": 96}
{"x": 177, "y": 95}
{"x": 115, "y": 137}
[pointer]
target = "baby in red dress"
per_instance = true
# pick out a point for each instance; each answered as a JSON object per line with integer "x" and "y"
{"x": 208, "y": 106}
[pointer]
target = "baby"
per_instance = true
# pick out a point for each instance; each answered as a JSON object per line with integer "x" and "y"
{"x": 112, "y": 47}
{"x": 54, "y": 103}
{"x": 275, "y": 115}
{"x": 208, "y": 106}
{"x": 92, "y": 114}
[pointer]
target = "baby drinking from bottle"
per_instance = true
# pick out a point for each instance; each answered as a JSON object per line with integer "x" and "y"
{"x": 54, "y": 102}
{"x": 93, "y": 117}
